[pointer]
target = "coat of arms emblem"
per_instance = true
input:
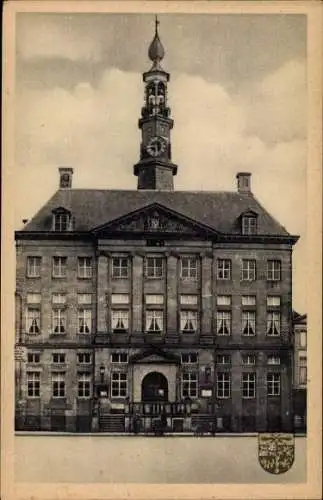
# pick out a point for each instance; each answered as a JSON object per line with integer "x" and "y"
{"x": 276, "y": 452}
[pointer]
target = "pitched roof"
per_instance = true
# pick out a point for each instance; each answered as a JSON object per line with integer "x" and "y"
{"x": 94, "y": 207}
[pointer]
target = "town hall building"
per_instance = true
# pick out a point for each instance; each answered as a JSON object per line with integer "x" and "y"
{"x": 135, "y": 303}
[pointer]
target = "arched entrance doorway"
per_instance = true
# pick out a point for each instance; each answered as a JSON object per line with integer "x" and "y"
{"x": 154, "y": 387}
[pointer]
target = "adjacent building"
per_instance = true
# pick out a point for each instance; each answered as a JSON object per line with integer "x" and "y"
{"x": 132, "y": 304}
{"x": 300, "y": 370}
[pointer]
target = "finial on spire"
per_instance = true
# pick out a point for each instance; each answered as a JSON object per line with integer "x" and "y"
{"x": 156, "y": 50}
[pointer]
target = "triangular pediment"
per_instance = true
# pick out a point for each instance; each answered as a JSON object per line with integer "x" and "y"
{"x": 155, "y": 219}
{"x": 154, "y": 355}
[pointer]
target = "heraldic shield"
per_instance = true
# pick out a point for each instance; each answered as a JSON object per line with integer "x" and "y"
{"x": 276, "y": 452}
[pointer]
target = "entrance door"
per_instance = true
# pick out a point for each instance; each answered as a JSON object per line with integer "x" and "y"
{"x": 154, "y": 387}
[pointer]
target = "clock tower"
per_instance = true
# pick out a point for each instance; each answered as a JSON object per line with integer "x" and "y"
{"x": 155, "y": 169}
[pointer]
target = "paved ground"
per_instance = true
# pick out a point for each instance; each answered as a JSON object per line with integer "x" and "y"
{"x": 136, "y": 459}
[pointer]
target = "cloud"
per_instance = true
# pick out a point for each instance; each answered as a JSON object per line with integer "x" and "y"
{"x": 94, "y": 129}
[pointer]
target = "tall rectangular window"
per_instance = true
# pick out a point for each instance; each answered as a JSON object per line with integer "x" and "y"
{"x": 273, "y": 384}
{"x": 120, "y": 267}
{"x": 154, "y": 267}
{"x": 84, "y": 320}
{"x": 223, "y": 323}
{"x": 84, "y": 267}
{"x": 249, "y": 224}
{"x": 33, "y": 321}
{"x": 189, "y": 267}
{"x": 188, "y": 321}
{"x": 248, "y": 270}
{"x": 223, "y": 385}
{"x": 154, "y": 321}
{"x": 273, "y": 324}
{"x": 273, "y": 270}
{"x": 248, "y": 323}
{"x": 33, "y": 384}
{"x": 302, "y": 339}
{"x": 62, "y": 221}
{"x": 84, "y": 385}
{"x": 302, "y": 370}
{"x": 248, "y": 385}
{"x": 59, "y": 321}
{"x": 33, "y": 267}
{"x": 189, "y": 385}
{"x": 58, "y": 385}
{"x": 120, "y": 321}
{"x": 59, "y": 267}
{"x": 119, "y": 385}
{"x": 224, "y": 269}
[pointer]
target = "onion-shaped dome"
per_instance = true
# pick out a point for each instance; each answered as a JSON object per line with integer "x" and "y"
{"x": 156, "y": 50}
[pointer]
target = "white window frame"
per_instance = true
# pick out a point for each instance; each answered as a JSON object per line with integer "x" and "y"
{"x": 188, "y": 268}
{"x": 84, "y": 299}
{"x": 250, "y": 379}
{"x": 58, "y": 321}
{"x": 273, "y": 320}
{"x": 33, "y": 385}
{"x": 62, "y": 221}
{"x": 273, "y": 301}
{"x": 273, "y": 270}
{"x": 58, "y": 385}
{"x": 273, "y": 360}
{"x": 223, "y": 385}
{"x": 33, "y": 326}
{"x": 190, "y": 356}
{"x": 120, "y": 267}
{"x": 188, "y": 318}
{"x": 84, "y": 267}
{"x": 84, "y": 389}
{"x": 248, "y": 323}
{"x": 248, "y": 270}
{"x": 33, "y": 358}
{"x": 81, "y": 358}
{"x": 119, "y": 385}
{"x": 153, "y": 269}
{"x": 248, "y": 359}
{"x": 189, "y": 385}
{"x": 84, "y": 319}
{"x": 61, "y": 360}
{"x": 155, "y": 318}
{"x": 224, "y": 269}
{"x": 223, "y": 359}
{"x": 273, "y": 382}
{"x": 59, "y": 269}
{"x": 188, "y": 299}
{"x": 33, "y": 266}
{"x": 249, "y": 225}
{"x": 120, "y": 316}
{"x": 223, "y": 319}
{"x": 33, "y": 298}
{"x": 116, "y": 358}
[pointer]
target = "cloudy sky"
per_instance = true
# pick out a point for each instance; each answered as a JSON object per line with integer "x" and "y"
{"x": 237, "y": 94}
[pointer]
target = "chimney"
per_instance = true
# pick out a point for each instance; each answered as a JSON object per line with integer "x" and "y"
{"x": 244, "y": 182}
{"x": 65, "y": 177}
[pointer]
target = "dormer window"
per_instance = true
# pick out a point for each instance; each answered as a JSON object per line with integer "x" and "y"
{"x": 62, "y": 220}
{"x": 249, "y": 223}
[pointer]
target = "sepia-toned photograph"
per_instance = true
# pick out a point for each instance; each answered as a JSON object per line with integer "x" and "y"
{"x": 160, "y": 246}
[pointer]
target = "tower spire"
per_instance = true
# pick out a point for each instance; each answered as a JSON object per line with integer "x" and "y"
{"x": 155, "y": 169}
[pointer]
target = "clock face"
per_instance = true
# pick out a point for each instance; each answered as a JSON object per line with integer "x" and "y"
{"x": 156, "y": 146}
